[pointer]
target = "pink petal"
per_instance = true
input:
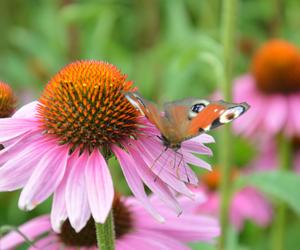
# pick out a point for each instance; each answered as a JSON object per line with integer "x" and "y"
{"x": 164, "y": 175}
{"x": 203, "y": 138}
{"x": 13, "y": 127}
{"x": 190, "y": 158}
{"x": 293, "y": 111}
{"x": 15, "y": 173}
{"x": 154, "y": 182}
{"x": 250, "y": 122}
{"x": 27, "y": 111}
{"x": 134, "y": 181}
{"x": 275, "y": 113}
{"x": 59, "y": 211}
{"x": 194, "y": 147}
{"x": 76, "y": 194}
{"x": 45, "y": 178}
{"x": 166, "y": 161}
{"x": 31, "y": 229}
{"x": 122, "y": 244}
{"x": 14, "y": 147}
{"x": 50, "y": 242}
{"x": 148, "y": 240}
{"x": 249, "y": 204}
{"x": 244, "y": 87}
{"x": 100, "y": 186}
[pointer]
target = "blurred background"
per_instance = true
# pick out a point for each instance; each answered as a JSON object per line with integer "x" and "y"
{"x": 171, "y": 49}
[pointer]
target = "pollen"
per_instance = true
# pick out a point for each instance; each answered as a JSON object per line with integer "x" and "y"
{"x": 7, "y": 100}
{"x": 276, "y": 67}
{"x": 83, "y": 105}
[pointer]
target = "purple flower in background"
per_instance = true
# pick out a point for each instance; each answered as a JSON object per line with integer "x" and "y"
{"x": 246, "y": 204}
{"x": 134, "y": 229}
{"x": 273, "y": 91}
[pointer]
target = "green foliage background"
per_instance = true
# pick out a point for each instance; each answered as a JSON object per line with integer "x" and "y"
{"x": 171, "y": 49}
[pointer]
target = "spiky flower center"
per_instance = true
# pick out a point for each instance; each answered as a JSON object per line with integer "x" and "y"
{"x": 7, "y": 100}
{"x": 84, "y": 106}
{"x": 123, "y": 223}
{"x": 276, "y": 67}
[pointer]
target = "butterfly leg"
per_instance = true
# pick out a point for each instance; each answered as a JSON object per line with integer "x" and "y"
{"x": 184, "y": 165}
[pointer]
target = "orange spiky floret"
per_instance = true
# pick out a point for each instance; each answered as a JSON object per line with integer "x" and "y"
{"x": 7, "y": 100}
{"x": 276, "y": 67}
{"x": 213, "y": 179}
{"x": 83, "y": 105}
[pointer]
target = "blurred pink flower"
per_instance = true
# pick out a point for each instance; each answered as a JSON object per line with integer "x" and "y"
{"x": 59, "y": 145}
{"x": 269, "y": 114}
{"x": 273, "y": 91}
{"x": 134, "y": 229}
{"x": 267, "y": 158}
{"x": 246, "y": 204}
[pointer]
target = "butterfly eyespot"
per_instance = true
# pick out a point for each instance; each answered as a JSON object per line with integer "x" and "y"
{"x": 231, "y": 114}
{"x": 197, "y": 107}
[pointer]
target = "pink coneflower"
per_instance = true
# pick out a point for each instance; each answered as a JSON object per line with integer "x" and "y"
{"x": 60, "y": 144}
{"x": 7, "y": 100}
{"x": 134, "y": 229}
{"x": 247, "y": 203}
{"x": 273, "y": 91}
{"x": 268, "y": 157}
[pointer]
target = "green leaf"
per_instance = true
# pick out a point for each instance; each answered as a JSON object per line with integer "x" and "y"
{"x": 283, "y": 185}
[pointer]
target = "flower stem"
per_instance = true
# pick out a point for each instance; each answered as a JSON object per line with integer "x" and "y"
{"x": 228, "y": 37}
{"x": 105, "y": 233}
{"x": 278, "y": 230}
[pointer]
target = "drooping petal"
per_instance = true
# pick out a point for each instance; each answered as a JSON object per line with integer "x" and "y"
{"x": 58, "y": 211}
{"x": 148, "y": 240}
{"x": 31, "y": 230}
{"x": 45, "y": 178}
{"x": 190, "y": 158}
{"x": 11, "y": 128}
{"x": 275, "y": 113}
{"x": 76, "y": 194}
{"x": 134, "y": 181}
{"x": 167, "y": 160}
{"x": 15, "y": 173}
{"x": 194, "y": 147}
{"x": 154, "y": 182}
{"x": 167, "y": 177}
{"x": 99, "y": 185}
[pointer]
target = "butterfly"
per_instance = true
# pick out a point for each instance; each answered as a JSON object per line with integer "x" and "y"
{"x": 186, "y": 118}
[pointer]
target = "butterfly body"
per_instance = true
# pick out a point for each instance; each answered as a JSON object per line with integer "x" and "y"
{"x": 186, "y": 118}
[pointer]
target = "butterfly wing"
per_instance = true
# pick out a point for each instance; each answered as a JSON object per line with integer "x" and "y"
{"x": 177, "y": 114}
{"x": 190, "y": 117}
{"x": 148, "y": 109}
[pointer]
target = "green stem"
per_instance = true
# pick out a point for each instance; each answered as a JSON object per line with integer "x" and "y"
{"x": 105, "y": 233}
{"x": 278, "y": 230}
{"x": 228, "y": 37}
